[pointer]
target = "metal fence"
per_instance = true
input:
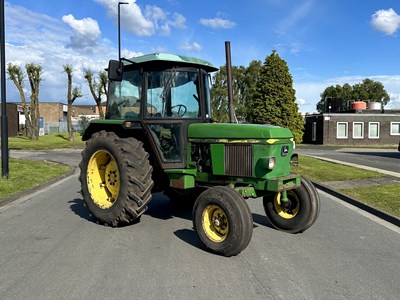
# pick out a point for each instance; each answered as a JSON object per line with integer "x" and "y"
{"x": 61, "y": 127}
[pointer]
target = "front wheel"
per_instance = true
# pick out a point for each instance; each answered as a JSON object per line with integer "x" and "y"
{"x": 299, "y": 213}
{"x": 223, "y": 221}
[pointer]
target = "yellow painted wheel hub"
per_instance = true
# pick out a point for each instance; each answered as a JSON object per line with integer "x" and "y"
{"x": 215, "y": 223}
{"x": 287, "y": 212}
{"x": 103, "y": 179}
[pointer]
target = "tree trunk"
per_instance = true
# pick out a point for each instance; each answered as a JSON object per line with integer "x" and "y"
{"x": 69, "y": 122}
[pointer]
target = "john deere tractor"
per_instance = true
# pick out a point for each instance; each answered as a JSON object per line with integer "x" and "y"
{"x": 158, "y": 135}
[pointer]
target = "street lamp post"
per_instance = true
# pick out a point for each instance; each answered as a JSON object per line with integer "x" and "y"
{"x": 119, "y": 28}
{"x": 4, "y": 121}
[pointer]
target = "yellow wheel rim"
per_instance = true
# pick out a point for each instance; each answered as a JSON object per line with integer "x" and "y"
{"x": 215, "y": 223}
{"x": 103, "y": 179}
{"x": 290, "y": 211}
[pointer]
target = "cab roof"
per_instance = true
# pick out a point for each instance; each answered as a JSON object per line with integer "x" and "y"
{"x": 170, "y": 59}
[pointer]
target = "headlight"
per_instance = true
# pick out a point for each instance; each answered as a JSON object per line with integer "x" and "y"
{"x": 271, "y": 162}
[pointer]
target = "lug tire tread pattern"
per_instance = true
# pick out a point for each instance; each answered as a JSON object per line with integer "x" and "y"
{"x": 134, "y": 166}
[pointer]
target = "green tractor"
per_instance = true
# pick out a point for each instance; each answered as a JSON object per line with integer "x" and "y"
{"x": 158, "y": 135}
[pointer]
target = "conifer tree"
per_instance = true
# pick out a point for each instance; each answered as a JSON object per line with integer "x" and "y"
{"x": 273, "y": 100}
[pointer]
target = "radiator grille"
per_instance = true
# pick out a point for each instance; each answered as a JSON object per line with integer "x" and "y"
{"x": 239, "y": 160}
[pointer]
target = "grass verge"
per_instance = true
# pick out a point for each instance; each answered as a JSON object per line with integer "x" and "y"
{"x": 26, "y": 174}
{"x": 46, "y": 142}
{"x": 323, "y": 171}
{"x": 384, "y": 197}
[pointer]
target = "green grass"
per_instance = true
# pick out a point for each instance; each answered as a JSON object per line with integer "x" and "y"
{"x": 323, "y": 171}
{"x": 26, "y": 174}
{"x": 384, "y": 197}
{"x": 46, "y": 142}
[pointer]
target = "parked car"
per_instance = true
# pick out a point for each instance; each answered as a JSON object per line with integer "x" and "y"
{"x": 398, "y": 148}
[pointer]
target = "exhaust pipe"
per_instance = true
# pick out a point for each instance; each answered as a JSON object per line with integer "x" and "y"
{"x": 232, "y": 118}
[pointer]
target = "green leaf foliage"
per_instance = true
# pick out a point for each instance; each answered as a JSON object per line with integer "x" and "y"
{"x": 369, "y": 90}
{"x": 243, "y": 85}
{"x": 273, "y": 99}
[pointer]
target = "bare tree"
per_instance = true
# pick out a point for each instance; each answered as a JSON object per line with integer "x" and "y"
{"x": 97, "y": 89}
{"x": 32, "y": 115}
{"x": 72, "y": 95}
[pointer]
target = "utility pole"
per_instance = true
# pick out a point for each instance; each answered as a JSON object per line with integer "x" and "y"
{"x": 4, "y": 121}
{"x": 119, "y": 29}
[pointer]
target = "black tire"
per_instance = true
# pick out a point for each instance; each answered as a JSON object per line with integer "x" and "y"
{"x": 115, "y": 178}
{"x": 223, "y": 220}
{"x": 302, "y": 212}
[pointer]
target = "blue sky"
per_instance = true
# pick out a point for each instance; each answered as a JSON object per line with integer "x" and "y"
{"x": 323, "y": 42}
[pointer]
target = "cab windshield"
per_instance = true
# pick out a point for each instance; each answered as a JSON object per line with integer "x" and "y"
{"x": 172, "y": 93}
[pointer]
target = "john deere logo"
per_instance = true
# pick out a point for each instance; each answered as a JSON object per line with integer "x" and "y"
{"x": 285, "y": 150}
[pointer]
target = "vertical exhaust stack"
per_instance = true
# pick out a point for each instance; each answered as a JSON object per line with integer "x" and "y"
{"x": 232, "y": 118}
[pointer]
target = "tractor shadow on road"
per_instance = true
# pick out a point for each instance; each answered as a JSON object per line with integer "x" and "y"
{"x": 78, "y": 207}
{"x": 160, "y": 207}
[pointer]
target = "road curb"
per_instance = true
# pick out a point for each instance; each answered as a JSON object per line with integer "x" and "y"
{"x": 372, "y": 210}
{"x": 12, "y": 198}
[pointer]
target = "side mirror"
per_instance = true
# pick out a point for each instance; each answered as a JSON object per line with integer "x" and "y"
{"x": 115, "y": 70}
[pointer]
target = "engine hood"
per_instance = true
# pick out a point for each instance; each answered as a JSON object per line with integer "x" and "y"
{"x": 237, "y": 131}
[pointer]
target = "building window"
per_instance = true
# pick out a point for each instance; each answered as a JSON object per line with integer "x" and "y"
{"x": 394, "y": 128}
{"x": 314, "y": 131}
{"x": 342, "y": 129}
{"x": 373, "y": 130}
{"x": 358, "y": 130}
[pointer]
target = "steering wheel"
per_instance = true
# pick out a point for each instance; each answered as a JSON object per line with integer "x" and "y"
{"x": 182, "y": 109}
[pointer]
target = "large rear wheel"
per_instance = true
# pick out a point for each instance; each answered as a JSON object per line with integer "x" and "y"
{"x": 223, "y": 221}
{"x": 115, "y": 178}
{"x": 299, "y": 213}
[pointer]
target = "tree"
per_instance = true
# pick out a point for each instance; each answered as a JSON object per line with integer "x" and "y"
{"x": 31, "y": 112}
{"x": 72, "y": 95}
{"x": 97, "y": 89}
{"x": 243, "y": 83}
{"x": 219, "y": 97}
{"x": 372, "y": 91}
{"x": 273, "y": 100}
{"x": 369, "y": 90}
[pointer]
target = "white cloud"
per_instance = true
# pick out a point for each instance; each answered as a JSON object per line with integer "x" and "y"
{"x": 86, "y": 32}
{"x": 143, "y": 23}
{"x": 386, "y": 21}
{"x": 301, "y": 101}
{"x": 24, "y": 27}
{"x": 178, "y": 21}
{"x": 193, "y": 47}
{"x": 217, "y": 23}
{"x": 40, "y": 39}
{"x": 131, "y": 15}
{"x": 129, "y": 54}
{"x": 297, "y": 14}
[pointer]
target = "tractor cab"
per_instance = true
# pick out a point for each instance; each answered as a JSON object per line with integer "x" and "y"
{"x": 163, "y": 93}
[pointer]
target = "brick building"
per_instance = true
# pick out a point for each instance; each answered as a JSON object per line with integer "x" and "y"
{"x": 353, "y": 128}
{"x": 12, "y": 110}
{"x": 53, "y": 116}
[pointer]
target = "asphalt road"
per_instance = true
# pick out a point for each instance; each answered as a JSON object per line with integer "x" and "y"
{"x": 51, "y": 249}
{"x": 385, "y": 159}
